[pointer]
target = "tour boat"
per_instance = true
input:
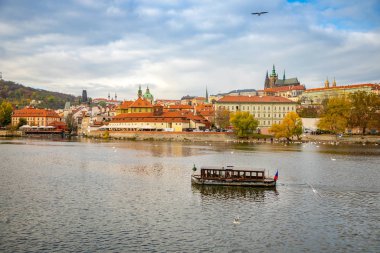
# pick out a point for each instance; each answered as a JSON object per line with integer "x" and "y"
{"x": 231, "y": 176}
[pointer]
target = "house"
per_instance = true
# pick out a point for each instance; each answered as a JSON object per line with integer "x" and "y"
{"x": 267, "y": 110}
{"x": 35, "y": 117}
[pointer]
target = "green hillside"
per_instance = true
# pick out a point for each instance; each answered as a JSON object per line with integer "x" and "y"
{"x": 20, "y": 96}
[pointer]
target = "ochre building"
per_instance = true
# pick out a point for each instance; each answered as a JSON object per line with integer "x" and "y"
{"x": 267, "y": 110}
{"x": 35, "y": 117}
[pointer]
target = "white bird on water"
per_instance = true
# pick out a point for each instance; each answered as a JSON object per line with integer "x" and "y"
{"x": 237, "y": 220}
{"x": 333, "y": 159}
{"x": 314, "y": 190}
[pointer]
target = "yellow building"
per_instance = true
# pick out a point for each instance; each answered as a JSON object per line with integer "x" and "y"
{"x": 141, "y": 105}
{"x": 267, "y": 110}
{"x": 158, "y": 120}
{"x": 35, "y": 117}
{"x": 317, "y": 95}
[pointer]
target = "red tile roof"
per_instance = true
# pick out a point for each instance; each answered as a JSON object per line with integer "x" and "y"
{"x": 374, "y": 86}
{"x": 125, "y": 104}
{"x": 141, "y": 103}
{"x": 33, "y": 112}
{"x": 180, "y": 107}
{"x": 285, "y": 88}
{"x": 254, "y": 99}
{"x": 176, "y": 116}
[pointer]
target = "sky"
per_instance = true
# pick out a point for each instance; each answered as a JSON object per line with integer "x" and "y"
{"x": 179, "y": 48}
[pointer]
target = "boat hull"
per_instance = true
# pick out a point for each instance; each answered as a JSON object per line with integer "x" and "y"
{"x": 269, "y": 183}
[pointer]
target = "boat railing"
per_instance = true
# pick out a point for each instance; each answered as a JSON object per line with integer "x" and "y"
{"x": 230, "y": 174}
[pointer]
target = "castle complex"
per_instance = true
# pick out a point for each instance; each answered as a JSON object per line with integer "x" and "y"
{"x": 273, "y": 81}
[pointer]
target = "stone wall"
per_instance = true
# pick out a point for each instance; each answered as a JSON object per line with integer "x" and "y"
{"x": 8, "y": 133}
{"x": 166, "y": 136}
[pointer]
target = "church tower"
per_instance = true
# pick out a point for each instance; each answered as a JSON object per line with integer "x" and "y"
{"x": 334, "y": 83}
{"x": 139, "y": 93}
{"x": 266, "y": 84}
{"x": 206, "y": 95}
{"x": 327, "y": 83}
{"x": 148, "y": 96}
{"x": 273, "y": 78}
{"x": 115, "y": 96}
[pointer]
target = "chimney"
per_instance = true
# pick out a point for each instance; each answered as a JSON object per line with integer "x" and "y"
{"x": 158, "y": 110}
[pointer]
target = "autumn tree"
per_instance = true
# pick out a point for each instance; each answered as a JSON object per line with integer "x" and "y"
{"x": 290, "y": 126}
{"x": 71, "y": 123}
{"x": 364, "y": 111}
{"x": 22, "y": 122}
{"x": 244, "y": 123}
{"x": 5, "y": 113}
{"x": 222, "y": 117}
{"x": 335, "y": 116}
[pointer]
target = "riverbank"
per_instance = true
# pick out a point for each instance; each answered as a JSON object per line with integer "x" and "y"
{"x": 9, "y": 133}
{"x": 226, "y": 137}
{"x": 164, "y": 136}
{"x": 352, "y": 139}
{"x": 211, "y": 137}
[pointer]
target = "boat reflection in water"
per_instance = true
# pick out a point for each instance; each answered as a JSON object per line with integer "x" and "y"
{"x": 235, "y": 192}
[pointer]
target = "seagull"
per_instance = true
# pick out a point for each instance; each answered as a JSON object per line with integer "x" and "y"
{"x": 259, "y": 13}
{"x": 333, "y": 159}
{"x": 314, "y": 190}
{"x": 237, "y": 220}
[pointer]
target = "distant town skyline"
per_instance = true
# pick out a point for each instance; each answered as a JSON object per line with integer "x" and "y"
{"x": 180, "y": 47}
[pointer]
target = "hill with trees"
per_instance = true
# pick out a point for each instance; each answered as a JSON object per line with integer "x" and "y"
{"x": 20, "y": 96}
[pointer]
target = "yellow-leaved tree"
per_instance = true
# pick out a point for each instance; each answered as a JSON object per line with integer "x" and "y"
{"x": 244, "y": 123}
{"x": 290, "y": 126}
{"x": 336, "y": 115}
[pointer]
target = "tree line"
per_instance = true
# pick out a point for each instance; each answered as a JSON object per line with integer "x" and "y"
{"x": 357, "y": 110}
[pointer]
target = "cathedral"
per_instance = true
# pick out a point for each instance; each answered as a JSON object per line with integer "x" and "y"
{"x": 273, "y": 81}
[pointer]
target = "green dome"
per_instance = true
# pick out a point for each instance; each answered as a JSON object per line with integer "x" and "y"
{"x": 147, "y": 95}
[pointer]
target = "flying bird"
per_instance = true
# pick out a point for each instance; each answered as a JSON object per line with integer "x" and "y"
{"x": 259, "y": 13}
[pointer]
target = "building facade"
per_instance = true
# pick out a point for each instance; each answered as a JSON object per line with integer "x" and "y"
{"x": 158, "y": 120}
{"x": 35, "y": 117}
{"x": 291, "y": 92}
{"x": 267, "y": 110}
{"x": 318, "y": 95}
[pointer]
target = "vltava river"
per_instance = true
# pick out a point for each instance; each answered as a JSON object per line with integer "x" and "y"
{"x": 89, "y": 196}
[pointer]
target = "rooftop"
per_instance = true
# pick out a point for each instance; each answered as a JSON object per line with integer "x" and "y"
{"x": 254, "y": 99}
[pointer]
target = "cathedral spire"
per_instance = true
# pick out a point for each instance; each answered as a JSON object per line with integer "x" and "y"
{"x": 206, "y": 95}
{"x": 284, "y": 75}
{"x": 327, "y": 83}
{"x": 273, "y": 71}
{"x": 266, "y": 83}
{"x": 139, "y": 93}
{"x": 334, "y": 83}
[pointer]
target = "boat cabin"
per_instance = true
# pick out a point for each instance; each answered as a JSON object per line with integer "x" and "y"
{"x": 230, "y": 173}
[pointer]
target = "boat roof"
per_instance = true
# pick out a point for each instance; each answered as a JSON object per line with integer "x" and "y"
{"x": 230, "y": 167}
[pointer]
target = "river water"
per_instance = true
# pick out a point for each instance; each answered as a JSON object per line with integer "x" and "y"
{"x": 91, "y": 196}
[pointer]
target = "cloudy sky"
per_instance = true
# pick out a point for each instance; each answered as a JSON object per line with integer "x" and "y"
{"x": 180, "y": 47}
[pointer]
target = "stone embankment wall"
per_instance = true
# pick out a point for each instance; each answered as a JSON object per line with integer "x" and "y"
{"x": 8, "y": 133}
{"x": 166, "y": 136}
{"x": 345, "y": 139}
